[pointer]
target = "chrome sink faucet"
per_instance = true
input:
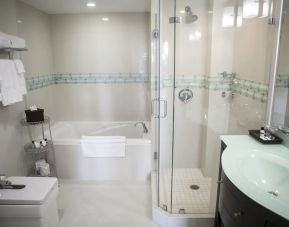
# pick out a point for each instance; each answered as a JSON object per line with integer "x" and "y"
{"x": 269, "y": 130}
{"x": 145, "y": 129}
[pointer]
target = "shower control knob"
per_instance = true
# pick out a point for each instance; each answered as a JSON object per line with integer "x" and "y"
{"x": 185, "y": 95}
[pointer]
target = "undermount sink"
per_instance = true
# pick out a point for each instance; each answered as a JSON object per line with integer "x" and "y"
{"x": 270, "y": 172}
{"x": 259, "y": 171}
{"x": 12, "y": 186}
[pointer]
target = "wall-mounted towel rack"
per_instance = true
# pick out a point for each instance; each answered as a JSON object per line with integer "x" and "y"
{"x": 11, "y": 50}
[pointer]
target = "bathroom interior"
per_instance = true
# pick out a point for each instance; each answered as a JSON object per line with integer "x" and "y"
{"x": 144, "y": 109}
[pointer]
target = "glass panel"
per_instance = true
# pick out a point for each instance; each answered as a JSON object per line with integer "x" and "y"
{"x": 191, "y": 187}
{"x": 155, "y": 88}
{"x": 166, "y": 102}
{"x": 162, "y": 70}
{"x": 280, "y": 115}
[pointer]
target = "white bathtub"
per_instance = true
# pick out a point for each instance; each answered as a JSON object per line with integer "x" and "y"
{"x": 70, "y": 163}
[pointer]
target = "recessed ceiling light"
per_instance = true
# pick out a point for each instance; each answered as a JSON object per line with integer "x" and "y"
{"x": 91, "y": 4}
{"x": 105, "y": 19}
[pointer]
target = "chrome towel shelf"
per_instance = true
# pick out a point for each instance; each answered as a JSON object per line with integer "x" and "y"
{"x": 11, "y": 50}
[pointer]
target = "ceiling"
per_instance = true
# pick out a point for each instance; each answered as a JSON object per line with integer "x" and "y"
{"x": 79, "y": 6}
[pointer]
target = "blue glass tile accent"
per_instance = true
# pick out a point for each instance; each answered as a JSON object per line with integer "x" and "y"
{"x": 282, "y": 81}
{"x": 34, "y": 83}
{"x": 251, "y": 89}
{"x": 247, "y": 88}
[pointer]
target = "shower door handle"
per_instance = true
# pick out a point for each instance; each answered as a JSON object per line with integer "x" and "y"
{"x": 164, "y": 112}
{"x": 165, "y": 109}
{"x": 153, "y": 102}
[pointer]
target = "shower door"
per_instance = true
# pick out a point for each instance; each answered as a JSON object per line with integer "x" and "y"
{"x": 162, "y": 92}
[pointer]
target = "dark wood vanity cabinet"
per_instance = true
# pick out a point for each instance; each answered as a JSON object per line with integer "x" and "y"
{"x": 235, "y": 209}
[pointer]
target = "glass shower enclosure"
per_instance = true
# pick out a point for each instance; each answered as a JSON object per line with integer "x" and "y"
{"x": 205, "y": 82}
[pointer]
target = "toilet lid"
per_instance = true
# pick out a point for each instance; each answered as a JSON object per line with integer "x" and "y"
{"x": 35, "y": 192}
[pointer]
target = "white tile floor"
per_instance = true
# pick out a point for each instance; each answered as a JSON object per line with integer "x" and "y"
{"x": 193, "y": 201}
{"x": 105, "y": 204}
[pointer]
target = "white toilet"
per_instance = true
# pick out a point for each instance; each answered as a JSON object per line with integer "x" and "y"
{"x": 33, "y": 206}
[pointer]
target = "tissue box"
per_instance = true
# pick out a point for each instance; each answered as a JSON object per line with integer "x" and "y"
{"x": 34, "y": 116}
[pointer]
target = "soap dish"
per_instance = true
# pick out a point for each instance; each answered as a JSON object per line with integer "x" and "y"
{"x": 256, "y": 135}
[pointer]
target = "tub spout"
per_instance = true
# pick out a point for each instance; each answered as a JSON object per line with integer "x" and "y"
{"x": 4, "y": 181}
{"x": 145, "y": 129}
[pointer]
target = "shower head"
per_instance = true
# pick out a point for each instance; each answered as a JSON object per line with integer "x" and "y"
{"x": 190, "y": 17}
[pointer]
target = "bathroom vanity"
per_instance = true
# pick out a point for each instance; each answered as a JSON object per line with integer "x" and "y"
{"x": 253, "y": 184}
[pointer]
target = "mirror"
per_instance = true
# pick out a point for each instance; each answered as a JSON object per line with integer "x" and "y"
{"x": 280, "y": 113}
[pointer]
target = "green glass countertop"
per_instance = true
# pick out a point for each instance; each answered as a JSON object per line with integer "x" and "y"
{"x": 259, "y": 171}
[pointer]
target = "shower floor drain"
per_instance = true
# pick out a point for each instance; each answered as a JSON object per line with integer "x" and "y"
{"x": 194, "y": 187}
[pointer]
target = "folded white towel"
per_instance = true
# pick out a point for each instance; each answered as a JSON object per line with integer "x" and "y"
{"x": 17, "y": 42}
{"x": 20, "y": 70}
{"x": 10, "y": 87}
{"x": 11, "y": 41}
{"x": 5, "y": 41}
{"x": 103, "y": 146}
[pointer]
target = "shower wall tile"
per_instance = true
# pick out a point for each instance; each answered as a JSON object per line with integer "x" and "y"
{"x": 251, "y": 89}
{"x": 101, "y": 102}
{"x": 35, "y": 30}
{"x": 84, "y": 43}
{"x": 245, "y": 113}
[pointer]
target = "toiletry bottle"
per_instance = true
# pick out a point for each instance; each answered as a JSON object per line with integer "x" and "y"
{"x": 44, "y": 142}
{"x": 262, "y": 130}
{"x": 37, "y": 145}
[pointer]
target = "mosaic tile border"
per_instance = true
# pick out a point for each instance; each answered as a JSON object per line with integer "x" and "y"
{"x": 34, "y": 83}
{"x": 251, "y": 89}
{"x": 101, "y": 78}
{"x": 247, "y": 88}
{"x": 254, "y": 90}
{"x": 282, "y": 81}
{"x": 212, "y": 83}
{"x": 38, "y": 82}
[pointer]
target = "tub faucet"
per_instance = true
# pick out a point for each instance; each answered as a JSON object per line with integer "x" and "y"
{"x": 145, "y": 129}
{"x": 4, "y": 181}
